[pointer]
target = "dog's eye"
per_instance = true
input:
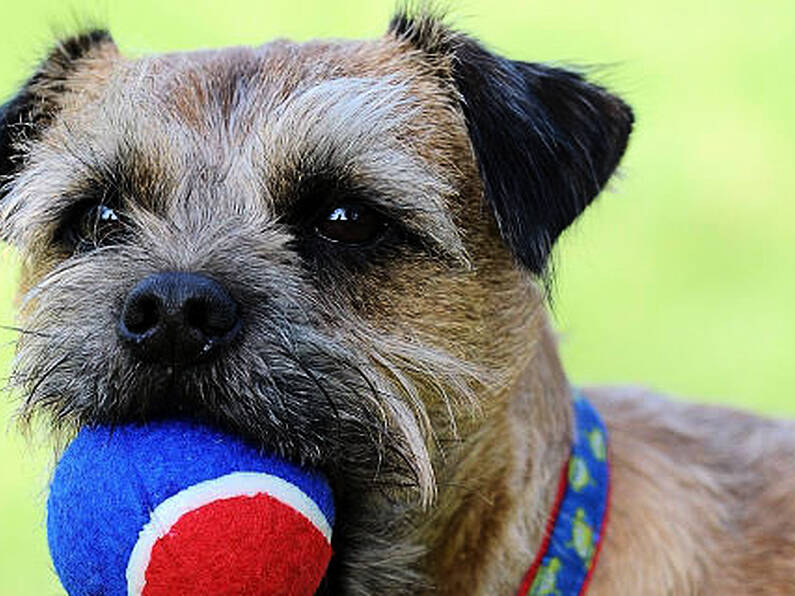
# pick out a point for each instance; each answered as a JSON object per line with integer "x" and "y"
{"x": 351, "y": 224}
{"x": 94, "y": 226}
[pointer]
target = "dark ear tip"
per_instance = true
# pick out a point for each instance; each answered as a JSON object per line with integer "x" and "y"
{"x": 423, "y": 27}
{"x": 619, "y": 120}
{"x": 92, "y": 36}
{"x": 623, "y": 118}
{"x": 80, "y": 45}
{"x": 400, "y": 23}
{"x": 623, "y": 114}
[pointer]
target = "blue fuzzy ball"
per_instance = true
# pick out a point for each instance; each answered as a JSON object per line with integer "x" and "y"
{"x": 138, "y": 508}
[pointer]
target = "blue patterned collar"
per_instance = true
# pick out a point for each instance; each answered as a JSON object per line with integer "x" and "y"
{"x": 567, "y": 556}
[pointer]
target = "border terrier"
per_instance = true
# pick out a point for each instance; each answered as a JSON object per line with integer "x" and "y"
{"x": 338, "y": 250}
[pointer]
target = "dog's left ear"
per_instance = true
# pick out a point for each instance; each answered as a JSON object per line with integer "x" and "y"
{"x": 545, "y": 139}
{"x": 25, "y": 116}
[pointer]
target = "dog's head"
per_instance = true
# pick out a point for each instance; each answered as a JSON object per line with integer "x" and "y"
{"x": 324, "y": 247}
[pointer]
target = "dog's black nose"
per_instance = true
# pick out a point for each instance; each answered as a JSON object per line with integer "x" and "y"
{"x": 178, "y": 318}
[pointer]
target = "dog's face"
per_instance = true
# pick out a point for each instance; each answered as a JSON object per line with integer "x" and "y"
{"x": 328, "y": 248}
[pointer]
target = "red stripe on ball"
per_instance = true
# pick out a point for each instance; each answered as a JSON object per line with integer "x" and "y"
{"x": 241, "y": 545}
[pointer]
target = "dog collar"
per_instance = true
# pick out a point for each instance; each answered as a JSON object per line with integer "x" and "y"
{"x": 570, "y": 546}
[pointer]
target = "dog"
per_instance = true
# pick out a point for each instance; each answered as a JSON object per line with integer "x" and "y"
{"x": 338, "y": 251}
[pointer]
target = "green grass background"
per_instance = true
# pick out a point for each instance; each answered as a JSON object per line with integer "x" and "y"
{"x": 681, "y": 278}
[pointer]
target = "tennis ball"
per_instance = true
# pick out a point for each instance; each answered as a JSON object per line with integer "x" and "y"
{"x": 175, "y": 507}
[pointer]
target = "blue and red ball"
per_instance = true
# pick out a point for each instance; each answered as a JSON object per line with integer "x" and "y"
{"x": 175, "y": 507}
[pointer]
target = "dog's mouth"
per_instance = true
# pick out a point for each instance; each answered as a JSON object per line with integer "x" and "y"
{"x": 354, "y": 451}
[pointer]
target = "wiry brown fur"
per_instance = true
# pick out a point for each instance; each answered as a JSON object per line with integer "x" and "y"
{"x": 439, "y": 407}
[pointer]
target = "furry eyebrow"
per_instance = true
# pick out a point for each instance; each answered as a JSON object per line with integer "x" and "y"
{"x": 349, "y": 130}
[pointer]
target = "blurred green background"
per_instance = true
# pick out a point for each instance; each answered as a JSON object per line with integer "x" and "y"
{"x": 681, "y": 278}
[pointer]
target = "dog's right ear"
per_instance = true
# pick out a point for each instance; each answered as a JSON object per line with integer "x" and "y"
{"x": 24, "y": 117}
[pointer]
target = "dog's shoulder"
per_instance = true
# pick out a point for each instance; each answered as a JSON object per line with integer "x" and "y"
{"x": 701, "y": 498}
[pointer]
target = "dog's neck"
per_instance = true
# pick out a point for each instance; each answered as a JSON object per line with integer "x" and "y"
{"x": 497, "y": 484}
{"x": 494, "y": 503}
